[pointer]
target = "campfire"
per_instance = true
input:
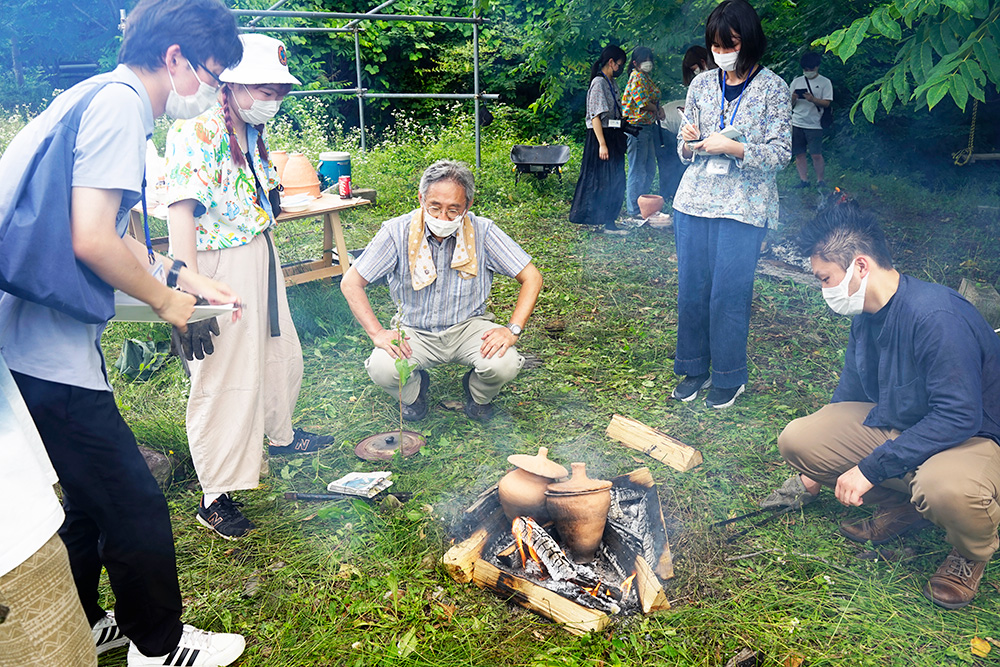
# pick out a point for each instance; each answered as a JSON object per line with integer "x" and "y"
{"x": 525, "y": 561}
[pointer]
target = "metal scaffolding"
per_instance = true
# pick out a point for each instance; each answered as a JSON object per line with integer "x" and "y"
{"x": 353, "y": 26}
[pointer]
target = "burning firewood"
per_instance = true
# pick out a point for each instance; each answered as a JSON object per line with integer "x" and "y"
{"x": 544, "y": 549}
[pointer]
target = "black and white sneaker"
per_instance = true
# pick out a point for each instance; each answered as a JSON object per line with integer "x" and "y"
{"x": 224, "y": 518}
{"x": 197, "y": 648}
{"x": 688, "y": 388}
{"x": 303, "y": 442}
{"x": 720, "y": 397}
{"x": 107, "y": 634}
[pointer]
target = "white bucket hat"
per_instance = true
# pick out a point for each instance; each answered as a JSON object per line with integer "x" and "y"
{"x": 265, "y": 60}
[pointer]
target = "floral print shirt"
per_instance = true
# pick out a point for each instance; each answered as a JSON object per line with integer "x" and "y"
{"x": 746, "y": 193}
{"x": 639, "y": 91}
{"x": 200, "y": 167}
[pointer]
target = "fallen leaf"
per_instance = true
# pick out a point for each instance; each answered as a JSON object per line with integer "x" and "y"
{"x": 407, "y": 643}
{"x": 794, "y": 660}
{"x": 980, "y": 648}
{"x": 448, "y": 610}
{"x": 347, "y": 571}
{"x": 993, "y": 641}
{"x": 276, "y": 565}
{"x": 455, "y": 406}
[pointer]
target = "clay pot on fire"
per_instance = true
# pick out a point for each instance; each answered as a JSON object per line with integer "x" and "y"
{"x": 299, "y": 177}
{"x": 579, "y": 508}
{"x": 280, "y": 159}
{"x": 522, "y": 491}
{"x": 650, "y": 205}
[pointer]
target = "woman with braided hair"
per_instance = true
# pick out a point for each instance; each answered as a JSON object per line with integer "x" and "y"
{"x": 245, "y": 383}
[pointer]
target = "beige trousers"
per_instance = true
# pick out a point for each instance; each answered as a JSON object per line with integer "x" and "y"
{"x": 45, "y": 625}
{"x": 459, "y": 344}
{"x": 957, "y": 489}
{"x": 248, "y": 387}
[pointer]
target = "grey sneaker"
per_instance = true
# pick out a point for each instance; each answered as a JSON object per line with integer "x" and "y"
{"x": 791, "y": 494}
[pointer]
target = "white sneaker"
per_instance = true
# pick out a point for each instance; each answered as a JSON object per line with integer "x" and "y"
{"x": 107, "y": 635}
{"x": 197, "y": 648}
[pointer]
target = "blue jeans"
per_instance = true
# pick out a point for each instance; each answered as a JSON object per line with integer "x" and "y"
{"x": 716, "y": 261}
{"x": 641, "y": 166}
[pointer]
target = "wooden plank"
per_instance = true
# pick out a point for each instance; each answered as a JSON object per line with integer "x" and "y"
{"x": 636, "y": 435}
{"x": 651, "y": 595}
{"x": 461, "y": 559}
{"x": 576, "y": 618}
{"x": 316, "y": 274}
{"x": 984, "y": 297}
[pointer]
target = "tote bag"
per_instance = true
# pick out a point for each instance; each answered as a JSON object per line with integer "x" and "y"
{"x": 37, "y": 262}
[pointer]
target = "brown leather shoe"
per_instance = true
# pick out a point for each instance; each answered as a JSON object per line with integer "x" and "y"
{"x": 885, "y": 525}
{"x": 955, "y": 583}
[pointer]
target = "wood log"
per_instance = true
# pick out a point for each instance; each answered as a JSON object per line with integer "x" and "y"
{"x": 651, "y": 595}
{"x": 636, "y": 435}
{"x": 984, "y": 297}
{"x": 576, "y": 618}
{"x": 460, "y": 560}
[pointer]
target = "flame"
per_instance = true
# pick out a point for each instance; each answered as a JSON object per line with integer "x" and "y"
{"x": 525, "y": 541}
{"x": 626, "y": 586}
{"x": 595, "y": 590}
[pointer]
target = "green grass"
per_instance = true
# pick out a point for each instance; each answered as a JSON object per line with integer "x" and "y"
{"x": 352, "y": 584}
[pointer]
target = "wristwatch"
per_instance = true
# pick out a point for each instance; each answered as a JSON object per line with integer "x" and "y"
{"x": 175, "y": 270}
{"x": 514, "y": 329}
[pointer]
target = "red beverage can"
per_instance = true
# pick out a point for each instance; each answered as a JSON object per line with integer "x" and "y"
{"x": 345, "y": 187}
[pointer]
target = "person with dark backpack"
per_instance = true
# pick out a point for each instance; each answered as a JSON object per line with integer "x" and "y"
{"x": 812, "y": 95}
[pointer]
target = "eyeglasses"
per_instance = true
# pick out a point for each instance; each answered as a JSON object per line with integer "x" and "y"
{"x": 198, "y": 65}
{"x": 452, "y": 211}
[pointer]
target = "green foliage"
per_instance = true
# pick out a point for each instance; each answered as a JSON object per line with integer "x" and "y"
{"x": 945, "y": 48}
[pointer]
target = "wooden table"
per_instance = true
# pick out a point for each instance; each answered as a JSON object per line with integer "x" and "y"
{"x": 329, "y": 206}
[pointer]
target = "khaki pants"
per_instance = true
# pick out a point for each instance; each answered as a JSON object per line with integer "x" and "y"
{"x": 957, "y": 489}
{"x": 45, "y": 626}
{"x": 248, "y": 387}
{"x": 459, "y": 344}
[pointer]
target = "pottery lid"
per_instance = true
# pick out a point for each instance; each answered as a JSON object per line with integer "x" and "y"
{"x": 539, "y": 464}
{"x": 334, "y": 156}
{"x": 579, "y": 483}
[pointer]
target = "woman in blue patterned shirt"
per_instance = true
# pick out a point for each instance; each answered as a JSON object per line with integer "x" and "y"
{"x": 736, "y": 136}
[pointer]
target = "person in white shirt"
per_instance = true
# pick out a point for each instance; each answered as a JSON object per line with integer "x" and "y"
{"x": 811, "y": 95}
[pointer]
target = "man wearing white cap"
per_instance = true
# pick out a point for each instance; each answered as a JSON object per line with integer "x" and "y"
{"x": 218, "y": 178}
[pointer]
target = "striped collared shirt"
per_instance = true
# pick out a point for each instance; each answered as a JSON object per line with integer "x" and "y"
{"x": 450, "y": 299}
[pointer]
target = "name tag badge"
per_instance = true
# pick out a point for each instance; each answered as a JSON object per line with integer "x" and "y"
{"x": 718, "y": 166}
{"x": 158, "y": 273}
{"x": 614, "y": 123}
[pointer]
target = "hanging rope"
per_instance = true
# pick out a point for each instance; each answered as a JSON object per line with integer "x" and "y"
{"x": 963, "y": 156}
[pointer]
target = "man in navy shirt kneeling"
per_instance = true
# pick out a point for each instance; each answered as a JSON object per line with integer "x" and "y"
{"x": 914, "y": 424}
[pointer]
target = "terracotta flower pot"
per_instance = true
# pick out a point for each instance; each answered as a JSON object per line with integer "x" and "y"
{"x": 299, "y": 176}
{"x": 579, "y": 508}
{"x": 522, "y": 491}
{"x": 280, "y": 159}
{"x": 650, "y": 204}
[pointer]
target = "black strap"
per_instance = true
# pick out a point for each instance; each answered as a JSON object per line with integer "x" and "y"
{"x": 272, "y": 287}
{"x": 811, "y": 93}
{"x": 614, "y": 97}
{"x": 272, "y": 269}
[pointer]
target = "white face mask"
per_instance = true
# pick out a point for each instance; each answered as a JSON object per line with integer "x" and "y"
{"x": 726, "y": 61}
{"x": 260, "y": 111}
{"x": 646, "y": 66}
{"x": 189, "y": 106}
{"x": 843, "y": 303}
{"x": 442, "y": 228}
{"x": 810, "y": 73}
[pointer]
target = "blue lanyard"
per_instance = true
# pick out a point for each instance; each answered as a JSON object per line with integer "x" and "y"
{"x": 722, "y": 110}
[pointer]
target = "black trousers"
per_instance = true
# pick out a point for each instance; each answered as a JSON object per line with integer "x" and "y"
{"x": 116, "y": 515}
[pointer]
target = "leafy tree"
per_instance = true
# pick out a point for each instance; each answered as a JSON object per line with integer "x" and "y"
{"x": 945, "y": 47}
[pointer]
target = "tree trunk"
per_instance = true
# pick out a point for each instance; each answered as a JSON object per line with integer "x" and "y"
{"x": 15, "y": 61}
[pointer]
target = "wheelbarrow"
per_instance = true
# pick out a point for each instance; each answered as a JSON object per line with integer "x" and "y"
{"x": 538, "y": 160}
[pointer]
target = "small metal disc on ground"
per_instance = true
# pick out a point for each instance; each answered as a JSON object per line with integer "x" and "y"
{"x": 381, "y": 446}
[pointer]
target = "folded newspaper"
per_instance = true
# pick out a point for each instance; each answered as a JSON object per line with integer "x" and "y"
{"x": 364, "y": 484}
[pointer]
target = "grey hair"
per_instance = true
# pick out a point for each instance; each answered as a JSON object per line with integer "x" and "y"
{"x": 449, "y": 170}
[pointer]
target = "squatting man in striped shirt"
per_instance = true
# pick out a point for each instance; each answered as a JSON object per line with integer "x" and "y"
{"x": 439, "y": 262}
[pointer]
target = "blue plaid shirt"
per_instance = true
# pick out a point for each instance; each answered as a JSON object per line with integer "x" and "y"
{"x": 450, "y": 299}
